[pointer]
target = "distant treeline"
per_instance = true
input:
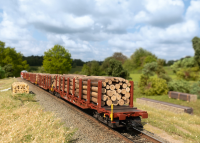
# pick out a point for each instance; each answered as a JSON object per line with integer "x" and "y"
{"x": 37, "y": 61}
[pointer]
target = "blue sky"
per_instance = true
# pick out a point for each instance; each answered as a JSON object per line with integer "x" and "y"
{"x": 95, "y": 29}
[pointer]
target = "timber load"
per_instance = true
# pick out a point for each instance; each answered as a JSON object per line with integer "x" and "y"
{"x": 114, "y": 90}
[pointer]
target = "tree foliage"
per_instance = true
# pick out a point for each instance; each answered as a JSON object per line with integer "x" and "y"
{"x": 188, "y": 73}
{"x": 119, "y": 56}
{"x": 92, "y": 68}
{"x": 9, "y": 56}
{"x": 34, "y": 60}
{"x": 179, "y": 86}
{"x": 8, "y": 70}
{"x": 57, "y": 60}
{"x": 2, "y": 73}
{"x": 116, "y": 69}
{"x": 152, "y": 86}
{"x": 195, "y": 89}
{"x": 196, "y": 47}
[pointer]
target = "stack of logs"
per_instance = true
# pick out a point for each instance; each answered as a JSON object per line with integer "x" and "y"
{"x": 19, "y": 88}
{"x": 115, "y": 90}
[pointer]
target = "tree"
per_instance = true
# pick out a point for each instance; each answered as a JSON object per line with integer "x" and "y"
{"x": 2, "y": 73}
{"x": 57, "y": 60}
{"x": 116, "y": 69}
{"x": 119, "y": 56}
{"x": 91, "y": 68}
{"x": 196, "y": 47}
{"x": 8, "y": 70}
{"x": 9, "y": 55}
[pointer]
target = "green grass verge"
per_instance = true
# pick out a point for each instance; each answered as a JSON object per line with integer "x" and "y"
{"x": 22, "y": 119}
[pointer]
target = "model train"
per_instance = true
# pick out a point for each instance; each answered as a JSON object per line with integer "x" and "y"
{"x": 64, "y": 86}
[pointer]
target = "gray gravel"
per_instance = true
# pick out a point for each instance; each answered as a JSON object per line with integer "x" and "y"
{"x": 87, "y": 131}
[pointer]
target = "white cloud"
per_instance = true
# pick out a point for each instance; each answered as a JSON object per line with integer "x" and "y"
{"x": 95, "y": 29}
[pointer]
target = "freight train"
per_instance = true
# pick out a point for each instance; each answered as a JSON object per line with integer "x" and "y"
{"x": 64, "y": 86}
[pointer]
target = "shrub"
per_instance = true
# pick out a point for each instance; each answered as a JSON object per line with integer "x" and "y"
{"x": 188, "y": 73}
{"x": 150, "y": 68}
{"x": 179, "y": 85}
{"x": 195, "y": 89}
{"x": 165, "y": 77}
{"x": 153, "y": 86}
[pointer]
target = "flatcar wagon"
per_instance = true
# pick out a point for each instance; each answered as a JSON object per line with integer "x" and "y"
{"x": 114, "y": 116}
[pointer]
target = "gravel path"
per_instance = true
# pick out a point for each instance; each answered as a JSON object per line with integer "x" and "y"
{"x": 88, "y": 131}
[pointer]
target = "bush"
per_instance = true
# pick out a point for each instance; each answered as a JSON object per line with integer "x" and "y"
{"x": 153, "y": 86}
{"x": 179, "y": 86}
{"x": 195, "y": 89}
{"x": 116, "y": 69}
{"x": 150, "y": 68}
{"x": 188, "y": 73}
{"x": 165, "y": 77}
{"x": 8, "y": 70}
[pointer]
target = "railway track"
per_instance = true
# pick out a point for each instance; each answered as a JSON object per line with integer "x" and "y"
{"x": 135, "y": 135}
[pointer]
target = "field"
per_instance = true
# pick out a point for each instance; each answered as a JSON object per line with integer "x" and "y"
{"x": 21, "y": 116}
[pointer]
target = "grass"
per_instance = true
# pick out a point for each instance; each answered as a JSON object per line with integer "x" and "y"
{"x": 76, "y": 69}
{"x": 182, "y": 125}
{"x": 22, "y": 119}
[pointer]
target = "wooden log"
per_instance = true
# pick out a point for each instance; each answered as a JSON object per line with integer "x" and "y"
{"x": 109, "y": 93}
{"x": 124, "y": 85}
{"x": 91, "y": 98}
{"x": 109, "y": 82}
{"x": 127, "y": 89}
{"x": 103, "y": 90}
{"x": 128, "y": 84}
{"x": 107, "y": 86}
{"x": 127, "y": 95}
{"x": 123, "y": 91}
{"x": 117, "y": 86}
{"x": 120, "y": 83}
{"x": 118, "y": 96}
{"x": 113, "y": 98}
{"x": 127, "y": 101}
{"x": 115, "y": 103}
{"x": 104, "y": 98}
{"x": 124, "y": 98}
{"x": 119, "y": 90}
{"x": 112, "y": 87}
{"x": 121, "y": 102}
{"x": 109, "y": 102}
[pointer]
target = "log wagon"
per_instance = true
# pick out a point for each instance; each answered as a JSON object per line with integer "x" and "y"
{"x": 109, "y": 98}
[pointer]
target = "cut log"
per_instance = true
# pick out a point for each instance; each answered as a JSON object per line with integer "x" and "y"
{"x": 104, "y": 98}
{"x": 113, "y": 98}
{"x": 118, "y": 96}
{"x": 117, "y": 86}
{"x": 124, "y": 98}
{"x": 124, "y": 85}
{"x": 92, "y": 98}
{"x": 109, "y": 93}
{"x": 115, "y": 103}
{"x": 112, "y": 87}
{"x": 109, "y": 102}
{"x": 127, "y": 95}
{"x": 119, "y": 90}
{"x": 123, "y": 91}
{"x": 127, "y": 89}
{"x": 120, "y": 83}
{"x": 109, "y": 82}
{"x": 121, "y": 102}
{"x": 128, "y": 84}
{"x": 107, "y": 86}
{"x": 127, "y": 101}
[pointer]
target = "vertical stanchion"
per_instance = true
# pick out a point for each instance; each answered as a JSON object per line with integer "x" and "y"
{"x": 68, "y": 86}
{"x": 80, "y": 91}
{"x": 73, "y": 90}
{"x": 99, "y": 95}
{"x": 59, "y": 84}
{"x": 56, "y": 84}
{"x": 88, "y": 91}
{"x": 131, "y": 94}
{"x": 63, "y": 87}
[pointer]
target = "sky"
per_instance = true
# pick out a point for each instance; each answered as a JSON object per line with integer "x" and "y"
{"x": 95, "y": 29}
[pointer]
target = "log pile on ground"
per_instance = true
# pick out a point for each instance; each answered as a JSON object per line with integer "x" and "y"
{"x": 19, "y": 88}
